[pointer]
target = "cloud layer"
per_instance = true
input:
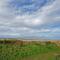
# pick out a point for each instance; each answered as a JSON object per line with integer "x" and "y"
{"x": 30, "y": 19}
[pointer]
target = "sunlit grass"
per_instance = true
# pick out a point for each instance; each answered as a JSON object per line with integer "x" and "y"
{"x": 20, "y": 50}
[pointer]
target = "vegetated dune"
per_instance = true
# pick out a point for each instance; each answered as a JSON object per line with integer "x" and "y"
{"x": 26, "y": 42}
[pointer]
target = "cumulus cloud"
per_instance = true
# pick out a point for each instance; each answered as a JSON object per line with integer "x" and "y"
{"x": 33, "y": 18}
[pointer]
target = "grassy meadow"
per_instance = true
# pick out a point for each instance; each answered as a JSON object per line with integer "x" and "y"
{"x": 13, "y": 49}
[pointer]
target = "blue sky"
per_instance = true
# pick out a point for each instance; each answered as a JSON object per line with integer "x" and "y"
{"x": 30, "y": 19}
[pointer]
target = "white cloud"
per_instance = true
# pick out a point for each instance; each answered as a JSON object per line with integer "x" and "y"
{"x": 29, "y": 24}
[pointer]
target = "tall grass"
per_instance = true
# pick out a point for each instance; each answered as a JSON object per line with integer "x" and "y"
{"x": 16, "y": 50}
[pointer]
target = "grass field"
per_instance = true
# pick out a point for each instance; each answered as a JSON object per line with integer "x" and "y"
{"x": 29, "y": 50}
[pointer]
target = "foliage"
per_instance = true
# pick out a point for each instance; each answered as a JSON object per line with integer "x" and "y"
{"x": 18, "y": 51}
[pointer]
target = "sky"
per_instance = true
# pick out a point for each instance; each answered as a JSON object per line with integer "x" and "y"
{"x": 30, "y": 19}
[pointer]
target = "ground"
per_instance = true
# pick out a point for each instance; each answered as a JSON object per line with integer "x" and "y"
{"x": 29, "y": 50}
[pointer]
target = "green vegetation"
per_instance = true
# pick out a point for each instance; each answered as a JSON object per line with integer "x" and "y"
{"x": 23, "y": 50}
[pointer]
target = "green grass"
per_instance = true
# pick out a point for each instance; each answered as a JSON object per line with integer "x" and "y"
{"x": 29, "y": 51}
